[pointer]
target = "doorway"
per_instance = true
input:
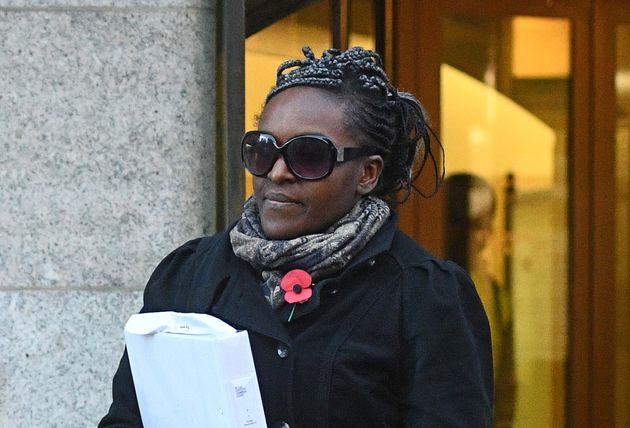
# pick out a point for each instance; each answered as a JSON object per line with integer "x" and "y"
{"x": 531, "y": 98}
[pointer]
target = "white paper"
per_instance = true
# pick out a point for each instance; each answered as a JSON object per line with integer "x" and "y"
{"x": 192, "y": 370}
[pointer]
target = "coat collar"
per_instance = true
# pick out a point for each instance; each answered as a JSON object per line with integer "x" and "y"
{"x": 380, "y": 243}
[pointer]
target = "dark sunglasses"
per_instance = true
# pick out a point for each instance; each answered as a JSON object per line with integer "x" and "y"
{"x": 309, "y": 157}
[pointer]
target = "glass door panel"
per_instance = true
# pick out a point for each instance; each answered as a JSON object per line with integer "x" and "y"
{"x": 362, "y": 23}
{"x": 622, "y": 226}
{"x": 504, "y": 126}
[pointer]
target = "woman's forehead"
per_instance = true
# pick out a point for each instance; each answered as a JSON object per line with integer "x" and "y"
{"x": 303, "y": 110}
{"x": 304, "y": 99}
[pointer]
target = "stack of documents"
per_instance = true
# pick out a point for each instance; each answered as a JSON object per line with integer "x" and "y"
{"x": 192, "y": 370}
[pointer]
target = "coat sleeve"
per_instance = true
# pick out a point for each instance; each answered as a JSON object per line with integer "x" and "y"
{"x": 166, "y": 290}
{"x": 447, "y": 353}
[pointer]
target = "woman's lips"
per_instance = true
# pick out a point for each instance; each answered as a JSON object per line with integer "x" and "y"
{"x": 280, "y": 198}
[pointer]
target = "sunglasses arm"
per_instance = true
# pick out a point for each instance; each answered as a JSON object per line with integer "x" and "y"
{"x": 349, "y": 153}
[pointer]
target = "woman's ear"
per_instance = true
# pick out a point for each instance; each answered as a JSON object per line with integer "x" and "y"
{"x": 372, "y": 167}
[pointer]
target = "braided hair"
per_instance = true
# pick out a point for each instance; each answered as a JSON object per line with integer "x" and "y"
{"x": 375, "y": 112}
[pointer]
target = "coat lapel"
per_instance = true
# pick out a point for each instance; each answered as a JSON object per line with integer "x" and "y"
{"x": 227, "y": 287}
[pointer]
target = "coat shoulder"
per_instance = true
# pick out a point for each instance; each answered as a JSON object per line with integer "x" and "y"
{"x": 426, "y": 276}
{"x": 409, "y": 253}
{"x": 170, "y": 284}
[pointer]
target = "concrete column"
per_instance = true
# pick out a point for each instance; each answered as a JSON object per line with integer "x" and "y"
{"x": 107, "y": 123}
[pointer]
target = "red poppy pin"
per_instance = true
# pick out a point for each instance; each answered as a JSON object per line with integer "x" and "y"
{"x": 297, "y": 286}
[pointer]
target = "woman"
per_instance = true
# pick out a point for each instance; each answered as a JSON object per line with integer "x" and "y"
{"x": 469, "y": 211}
{"x": 386, "y": 335}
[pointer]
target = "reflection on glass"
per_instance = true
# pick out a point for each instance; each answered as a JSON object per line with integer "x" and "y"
{"x": 504, "y": 128}
{"x": 470, "y": 209}
{"x": 276, "y": 43}
{"x": 622, "y": 212}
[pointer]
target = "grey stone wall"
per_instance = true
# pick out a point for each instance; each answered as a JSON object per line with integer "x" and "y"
{"x": 106, "y": 165}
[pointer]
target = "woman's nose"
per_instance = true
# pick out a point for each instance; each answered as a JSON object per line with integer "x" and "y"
{"x": 280, "y": 171}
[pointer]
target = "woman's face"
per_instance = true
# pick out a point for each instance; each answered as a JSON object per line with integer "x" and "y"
{"x": 290, "y": 207}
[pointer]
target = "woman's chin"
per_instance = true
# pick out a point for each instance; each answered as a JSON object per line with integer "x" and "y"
{"x": 281, "y": 230}
{"x": 286, "y": 228}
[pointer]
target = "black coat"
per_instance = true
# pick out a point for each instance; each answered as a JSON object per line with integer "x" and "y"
{"x": 398, "y": 339}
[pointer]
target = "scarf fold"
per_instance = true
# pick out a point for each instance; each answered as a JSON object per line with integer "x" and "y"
{"x": 320, "y": 254}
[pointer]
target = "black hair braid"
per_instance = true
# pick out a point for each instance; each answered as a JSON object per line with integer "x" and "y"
{"x": 376, "y": 113}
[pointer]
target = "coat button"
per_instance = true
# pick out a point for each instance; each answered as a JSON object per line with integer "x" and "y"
{"x": 280, "y": 424}
{"x": 283, "y": 351}
{"x": 372, "y": 262}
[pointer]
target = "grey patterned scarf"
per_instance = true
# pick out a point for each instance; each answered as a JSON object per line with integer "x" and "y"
{"x": 320, "y": 254}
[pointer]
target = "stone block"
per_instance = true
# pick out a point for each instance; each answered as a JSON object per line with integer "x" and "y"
{"x": 106, "y": 143}
{"x": 59, "y": 350}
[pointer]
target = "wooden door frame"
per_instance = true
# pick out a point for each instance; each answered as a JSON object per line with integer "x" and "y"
{"x": 608, "y": 14}
{"x": 417, "y": 58}
{"x": 230, "y": 113}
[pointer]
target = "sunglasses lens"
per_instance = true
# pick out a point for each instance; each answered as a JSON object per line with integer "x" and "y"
{"x": 309, "y": 157}
{"x": 259, "y": 153}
